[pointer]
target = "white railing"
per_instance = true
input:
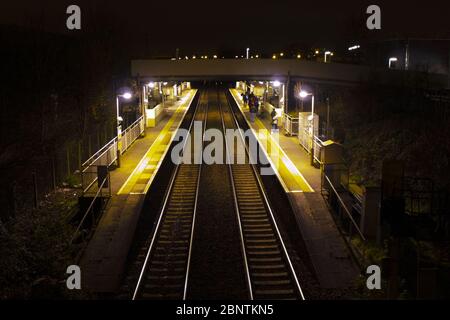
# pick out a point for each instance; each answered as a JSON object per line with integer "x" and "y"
{"x": 305, "y": 141}
{"x": 131, "y": 134}
{"x": 318, "y": 145}
{"x": 290, "y": 125}
{"x": 107, "y": 155}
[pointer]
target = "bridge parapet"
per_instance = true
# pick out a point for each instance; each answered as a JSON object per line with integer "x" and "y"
{"x": 270, "y": 69}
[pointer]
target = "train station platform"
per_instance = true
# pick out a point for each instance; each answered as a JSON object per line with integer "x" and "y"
{"x": 330, "y": 256}
{"x": 103, "y": 261}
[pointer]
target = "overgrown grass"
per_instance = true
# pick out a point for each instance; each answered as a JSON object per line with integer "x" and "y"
{"x": 35, "y": 250}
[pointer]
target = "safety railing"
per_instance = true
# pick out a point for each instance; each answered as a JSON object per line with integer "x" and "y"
{"x": 131, "y": 134}
{"x": 290, "y": 125}
{"x": 104, "y": 157}
{"x": 337, "y": 203}
{"x": 99, "y": 195}
{"x": 306, "y": 141}
{"x": 318, "y": 145}
{"x": 107, "y": 155}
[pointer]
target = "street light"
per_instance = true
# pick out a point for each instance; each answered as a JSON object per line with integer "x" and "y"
{"x": 303, "y": 94}
{"x": 326, "y": 54}
{"x": 354, "y": 47}
{"x": 119, "y": 119}
{"x": 393, "y": 59}
{"x": 248, "y": 52}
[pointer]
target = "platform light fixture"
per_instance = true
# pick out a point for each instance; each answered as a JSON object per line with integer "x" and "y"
{"x": 392, "y": 59}
{"x": 354, "y": 47}
{"x": 126, "y": 95}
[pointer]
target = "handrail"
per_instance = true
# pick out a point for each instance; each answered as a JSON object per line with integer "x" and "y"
{"x": 99, "y": 153}
{"x": 289, "y": 116}
{"x": 105, "y": 148}
{"x": 133, "y": 125}
{"x": 345, "y": 208}
{"x": 89, "y": 209}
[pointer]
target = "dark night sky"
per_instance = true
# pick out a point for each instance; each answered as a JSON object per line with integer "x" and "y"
{"x": 203, "y": 25}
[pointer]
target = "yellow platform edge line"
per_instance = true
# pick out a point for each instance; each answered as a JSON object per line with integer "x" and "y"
{"x": 288, "y": 163}
{"x": 157, "y": 142}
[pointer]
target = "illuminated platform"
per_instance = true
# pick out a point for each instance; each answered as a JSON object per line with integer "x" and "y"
{"x": 329, "y": 255}
{"x": 288, "y": 171}
{"x": 104, "y": 259}
{"x": 142, "y": 176}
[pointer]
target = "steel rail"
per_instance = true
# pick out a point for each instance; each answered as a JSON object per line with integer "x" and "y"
{"x": 286, "y": 255}
{"x": 236, "y": 204}
{"x": 162, "y": 211}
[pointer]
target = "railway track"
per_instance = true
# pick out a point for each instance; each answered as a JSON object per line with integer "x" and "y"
{"x": 270, "y": 273}
{"x": 164, "y": 274}
{"x": 268, "y": 269}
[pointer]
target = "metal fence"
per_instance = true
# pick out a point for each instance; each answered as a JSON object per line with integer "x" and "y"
{"x": 93, "y": 212}
{"x": 290, "y": 125}
{"x": 107, "y": 155}
{"x": 131, "y": 134}
{"x": 344, "y": 205}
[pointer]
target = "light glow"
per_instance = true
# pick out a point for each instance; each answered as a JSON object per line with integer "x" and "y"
{"x": 127, "y": 95}
{"x": 304, "y": 94}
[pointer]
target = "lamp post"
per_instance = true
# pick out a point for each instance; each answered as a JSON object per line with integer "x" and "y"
{"x": 393, "y": 59}
{"x": 119, "y": 120}
{"x": 303, "y": 95}
{"x": 326, "y": 53}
